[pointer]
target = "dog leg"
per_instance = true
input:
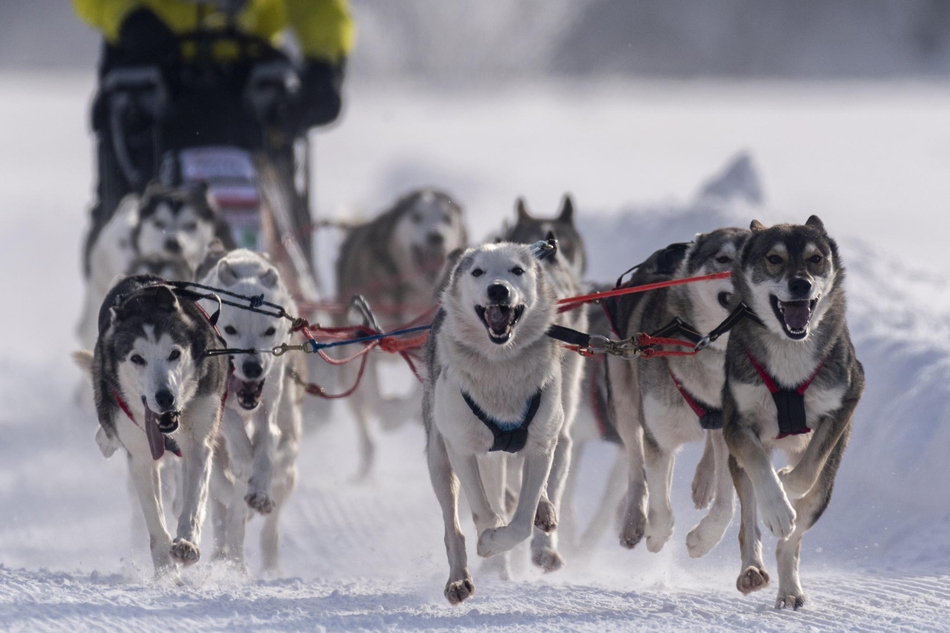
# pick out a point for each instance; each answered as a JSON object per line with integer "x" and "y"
{"x": 446, "y": 487}
{"x": 492, "y": 467}
{"x": 606, "y": 514}
{"x": 494, "y": 540}
{"x": 707, "y": 534}
{"x": 797, "y": 480}
{"x": 809, "y": 509}
{"x": 195, "y": 445}
{"x": 260, "y": 495}
{"x": 567, "y": 524}
{"x": 624, "y": 398}
{"x": 703, "y": 488}
{"x": 544, "y": 552}
{"x": 270, "y": 542}
{"x": 777, "y": 513}
{"x": 236, "y": 526}
{"x": 659, "y": 473}
{"x": 146, "y": 480}
{"x": 752, "y": 576}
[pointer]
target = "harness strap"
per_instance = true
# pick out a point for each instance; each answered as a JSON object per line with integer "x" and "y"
{"x": 710, "y": 418}
{"x": 742, "y": 312}
{"x": 790, "y": 403}
{"x": 681, "y": 327}
{"x": 508, "y": 438}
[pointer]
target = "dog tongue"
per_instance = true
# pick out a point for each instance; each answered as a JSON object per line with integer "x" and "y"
{"x": 796, "y": 314}
{"x": 156, "y": 441}
{"x": 497, "y": 317}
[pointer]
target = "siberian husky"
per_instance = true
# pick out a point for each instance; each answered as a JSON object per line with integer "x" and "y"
{"x": 564, "y": 272}
{"x": 493, "y": 383}
{"x": 155, "y": 390}
{"x": 792, "y": 384}
{"x": 394, "y": 262}
{"x": 662, "y": 403}
{"x": 177, "y": 223}
{"x": 255, "y": 457}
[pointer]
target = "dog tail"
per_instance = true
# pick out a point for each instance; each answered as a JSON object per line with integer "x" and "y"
{"x": 83, "y": 359}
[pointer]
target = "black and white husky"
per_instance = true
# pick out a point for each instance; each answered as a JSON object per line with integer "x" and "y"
{"x": 174, "y": 223}
{"x": 156, "y": 391}
{"x": 659, "y": 404}
{"x": 792, "y": 384}
{"x": 394, "y": 262}
{"x": 255, "y": 458}
{"x": 564, "y": 271}
{"x": 493, "y": 384}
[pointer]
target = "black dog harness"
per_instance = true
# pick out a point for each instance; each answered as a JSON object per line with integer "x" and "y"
{"x": 509, "y": 437}
{"x": 710, "y": 418}
{"x": 790, "y": 403}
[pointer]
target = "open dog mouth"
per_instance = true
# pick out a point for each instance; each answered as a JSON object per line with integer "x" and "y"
{"x": 428, "y": 261}
{"x": 247, "y": 392}
{"x": 157, "y": 425}
{"x": 794, "y": 315}
{"x": 724, "y": 298}
{"x": 500, "y": 320}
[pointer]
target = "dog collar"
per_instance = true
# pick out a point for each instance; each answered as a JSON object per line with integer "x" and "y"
{"x": 509, "y": 436}
{"x": 710, "y": 418}
{"x": 790, "y": 403}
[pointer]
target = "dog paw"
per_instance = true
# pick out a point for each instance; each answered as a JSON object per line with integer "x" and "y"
{"x": 699, "y": 542}
{"x": 545, "y": 519}
{"x": 658, "y": 531}
{"x": 457, "y": 591}
{"x": 547, "y": 559}
{"x": 632, "y": 531}
{"x": 703, "y": 489}
{"x": 752, "y": 579}
{"x": 260, "y": 502}
{"x": 790, "y": 484}
{"x": 184, "y": 552}
{"x": 778, "y": 515}
{"x": 790, "y": 601}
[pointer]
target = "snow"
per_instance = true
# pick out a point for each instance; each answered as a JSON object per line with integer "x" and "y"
{"x": 870, "y": 160}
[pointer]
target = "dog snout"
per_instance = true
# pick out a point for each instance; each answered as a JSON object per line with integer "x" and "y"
{"x": 800, "y": 287}
{"x": 172, "y": 245}
{"x": 164, "y": 399}
{"x": 497, "y": 293}
{"x": 435, "y": 239}
{"x": 252, "y": 369}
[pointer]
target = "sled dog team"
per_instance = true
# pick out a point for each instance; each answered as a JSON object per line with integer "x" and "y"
{"x": 500, "y": 396}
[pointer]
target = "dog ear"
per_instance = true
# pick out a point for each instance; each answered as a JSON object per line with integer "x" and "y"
{"x": 165, "y": 299}
{"x": 816, "y": 223}
{"x": 567, "y": 210}
{"x": 522, "y": 210}
{"x": 756, "y": 226}
{"x": 269, "y": 278}
{"x": 226, "y": 274}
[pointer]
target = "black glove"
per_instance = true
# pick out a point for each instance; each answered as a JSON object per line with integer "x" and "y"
{"x": 318, "y": 102}
{"x": 145, "y": 39}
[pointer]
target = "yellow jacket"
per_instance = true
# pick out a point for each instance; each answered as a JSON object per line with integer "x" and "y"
{"x": 323, "y": 28}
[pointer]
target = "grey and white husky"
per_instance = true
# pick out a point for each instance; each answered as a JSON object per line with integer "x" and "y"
{"x": 564, "y": 272}
{"x": 174, "y": 223}
{"x": 493, "y": 383}
{"x": 155, "y": 390}
{"x": 394, "y": 261}
{"x": 792, "y": 384}
{"x": 659, "y": 404}
{"x": 255, "y": 457}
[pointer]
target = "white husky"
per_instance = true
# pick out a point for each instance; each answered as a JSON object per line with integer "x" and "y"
{"x": 255, "y": 456}
{"x": 493, "y": 383}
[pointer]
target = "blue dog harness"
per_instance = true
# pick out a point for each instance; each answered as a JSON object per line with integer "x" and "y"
{"x": 509, "y": 436}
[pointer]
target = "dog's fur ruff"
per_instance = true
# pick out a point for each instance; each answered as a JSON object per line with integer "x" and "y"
{"x": 500, "y": 377}
{"x": 394, "y": 262}
{"x": 651, "y": 414}
{"x": 255, "y": 457}
{"x": 801, "y": 264}
{"x": 150, "y": 350}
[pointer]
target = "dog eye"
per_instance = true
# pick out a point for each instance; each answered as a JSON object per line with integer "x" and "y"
{"x": 774, "y": 259}
{"x": 229, "y": 329}
{"x": 137, "y": 360}
{"x": 517, "y": 270}
{"x": 190, "y": 227}
{"x": 722, "y": 259}
{"x": 478, "y": 272}
{"x": 270, "y": 331}
{"x": 159, "y": 225}
{"x": 815, "y": 259}
{"x": 175, "y": 355}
